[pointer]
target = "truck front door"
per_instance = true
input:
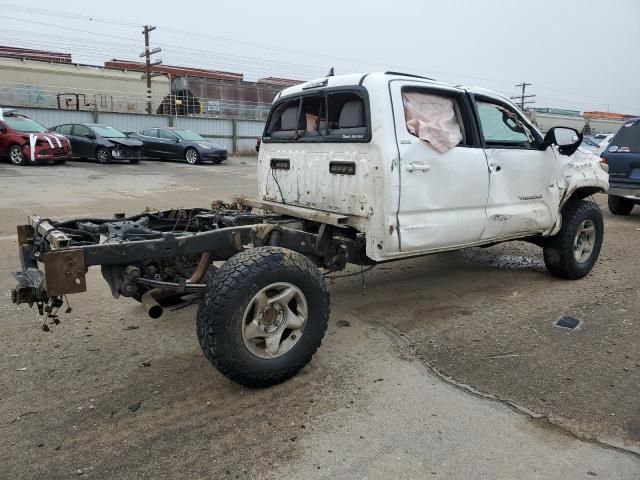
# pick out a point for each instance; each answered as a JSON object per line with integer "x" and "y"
{"x": 444, "y": 177}
{"x": 523, "y": 195}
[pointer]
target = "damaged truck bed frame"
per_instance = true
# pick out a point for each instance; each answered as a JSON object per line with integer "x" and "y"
{"x": 133, "y": 247}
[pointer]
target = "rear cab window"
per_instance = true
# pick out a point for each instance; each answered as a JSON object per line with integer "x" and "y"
{"x": 627, "y": 140}
{"x": 329, "y": 115}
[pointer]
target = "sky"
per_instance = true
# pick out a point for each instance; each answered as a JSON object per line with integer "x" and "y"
{"x": 576, "y": 54}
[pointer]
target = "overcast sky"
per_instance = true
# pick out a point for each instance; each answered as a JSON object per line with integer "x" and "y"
{"x": 577, "y": 54}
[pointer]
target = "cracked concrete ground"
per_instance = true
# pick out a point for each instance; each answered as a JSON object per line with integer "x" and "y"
{"x": 368, "y": 405}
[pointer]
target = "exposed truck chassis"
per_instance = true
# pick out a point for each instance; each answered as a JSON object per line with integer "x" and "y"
{"x": 163, "y": 254}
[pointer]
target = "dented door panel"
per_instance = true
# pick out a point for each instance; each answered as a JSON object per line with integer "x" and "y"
{"x": 523, "y": 193}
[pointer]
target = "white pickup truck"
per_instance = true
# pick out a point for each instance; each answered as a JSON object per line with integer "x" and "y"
{"x": 356, "y": 169}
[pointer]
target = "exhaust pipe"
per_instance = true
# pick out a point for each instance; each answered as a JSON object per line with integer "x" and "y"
{"x": 151, "y": 305}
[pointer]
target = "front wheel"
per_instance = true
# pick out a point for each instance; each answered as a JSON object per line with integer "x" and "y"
{"x": 620, "y": 205}
{"x": 573, "y": 252}
{"x": 103, "y": 155}
{"x": 16, "y": 156}
{"x": 192, "y": 156}
{"x": 264, "y": 316}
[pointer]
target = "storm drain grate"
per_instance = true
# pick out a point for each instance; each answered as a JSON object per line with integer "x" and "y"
{"x": 567, "y": 322}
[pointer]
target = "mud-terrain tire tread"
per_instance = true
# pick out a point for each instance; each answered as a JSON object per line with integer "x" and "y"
{"x": 620, "y": 205}
{"x": 558, "y": 253}
{"x": 220, "y": 314}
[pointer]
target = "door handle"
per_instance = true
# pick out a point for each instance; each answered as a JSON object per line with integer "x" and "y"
{"x": 494, "y": 167}
{"x": 412, "y": 167}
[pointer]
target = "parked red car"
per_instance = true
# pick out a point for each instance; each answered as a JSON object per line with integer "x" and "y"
{"x": 24, "y": 141}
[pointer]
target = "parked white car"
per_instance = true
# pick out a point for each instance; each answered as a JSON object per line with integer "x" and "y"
{"x": 605, "y": 140}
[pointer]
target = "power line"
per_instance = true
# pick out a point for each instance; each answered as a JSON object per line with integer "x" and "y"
{"x": 522, "y": 97}
{"x": 273, "y": 67}
{"x": 148, "y": 52}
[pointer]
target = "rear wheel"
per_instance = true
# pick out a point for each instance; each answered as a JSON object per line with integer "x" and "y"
{"x": 620, "y": 205}
{"x": 16, "y": 156}
{"x": 573, "y": 252}
{"x": 192, "y": 156}
{"x": 264, "y": 316}
{"x": 103, "y": 155}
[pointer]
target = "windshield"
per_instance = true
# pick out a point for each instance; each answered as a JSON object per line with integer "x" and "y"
{"x": 24, "y": 124}
{"x": 627, "y": 140}
{"x": 187, "y": 135}
{"x": 107, "y": 132}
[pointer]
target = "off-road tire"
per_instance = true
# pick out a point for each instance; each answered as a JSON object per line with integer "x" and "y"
{"x": 620, "y": 205}
{"x": 103, "y": 155}
{"x": 192, "y": 156}
{"x": 220, "y": 316}
{"x": 559, "y": 252}
{"x": 16, "y": 156}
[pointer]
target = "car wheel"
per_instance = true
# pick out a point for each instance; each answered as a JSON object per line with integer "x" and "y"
{"x": 620, "y": 205}
{"x": 192, "y": 156}
{"x": 60, "y": 162}
{"x": 103, "y": 155}
{"x": 16, "y": 155}
{"x": 264, "y": 315}
{"x": 573, "y": 252}
{"x": 134, "y": 160}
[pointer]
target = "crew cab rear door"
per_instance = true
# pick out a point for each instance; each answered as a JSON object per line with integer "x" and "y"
{"x": 444, "y": 177}
{"x": 623, "y": 156}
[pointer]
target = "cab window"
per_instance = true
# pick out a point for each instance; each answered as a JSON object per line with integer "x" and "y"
{"x": 502, "y": 127}
{"x": 324, "y": 116}
{"x": 64, "y": 129}
{"x": 166, "y": 135}
{"x": 81, "y": 131}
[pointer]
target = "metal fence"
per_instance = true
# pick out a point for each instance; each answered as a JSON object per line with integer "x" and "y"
{"x": 238, "y": 136}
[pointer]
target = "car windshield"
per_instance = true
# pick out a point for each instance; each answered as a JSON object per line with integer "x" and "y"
{"x": 627, "y": 140}
{"x": 187, "y": 135}
{"x": 24, "y": 124}
{"x": 107, "y": 132}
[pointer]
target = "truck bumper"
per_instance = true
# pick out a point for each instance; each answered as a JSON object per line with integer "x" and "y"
{"x": 626, "y": 192}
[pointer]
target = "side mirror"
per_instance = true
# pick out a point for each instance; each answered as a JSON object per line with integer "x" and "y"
{"x": 91, "y": 136}
{"x": 567, "y": 139}
{"x": 178, "y": 140}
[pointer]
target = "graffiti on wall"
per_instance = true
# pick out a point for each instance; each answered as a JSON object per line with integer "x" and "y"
{"x": 27, "y": 95}
{"x": 30, "y": 95}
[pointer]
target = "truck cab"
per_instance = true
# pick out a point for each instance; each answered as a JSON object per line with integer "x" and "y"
{"x": 417, "y": 165}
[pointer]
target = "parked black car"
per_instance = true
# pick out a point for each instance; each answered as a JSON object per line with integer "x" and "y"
{"x": 181, "y": 144}
{"x": 100, "y": 142}
{"x": 623, "y": 157}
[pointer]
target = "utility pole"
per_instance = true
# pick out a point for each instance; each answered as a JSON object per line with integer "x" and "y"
{"x": 147, "y": 71}
{"x": 522, "y": 97}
